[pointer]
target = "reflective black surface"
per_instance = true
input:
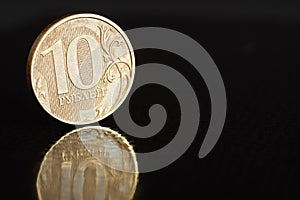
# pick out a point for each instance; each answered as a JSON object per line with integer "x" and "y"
{"x": 256, "y": 48}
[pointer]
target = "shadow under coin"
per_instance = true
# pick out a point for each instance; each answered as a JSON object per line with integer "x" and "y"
{"x": 90, "y": 163}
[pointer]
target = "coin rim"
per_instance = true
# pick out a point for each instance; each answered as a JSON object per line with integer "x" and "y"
{"x": 113, "y": 133}
{"x": 55, "y": 24}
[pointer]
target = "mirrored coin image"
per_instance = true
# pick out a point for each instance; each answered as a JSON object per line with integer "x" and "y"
{"x": 81, "y": 68}
{"x": 90, "y": 163}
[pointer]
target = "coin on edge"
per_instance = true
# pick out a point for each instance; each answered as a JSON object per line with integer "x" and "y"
{"x": 81, "y": 68}
{"x": 88, "y": 163}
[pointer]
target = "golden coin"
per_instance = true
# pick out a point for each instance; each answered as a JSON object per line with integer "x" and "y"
{"x": 88, "y": 163}
{"x": 81, "y": 68}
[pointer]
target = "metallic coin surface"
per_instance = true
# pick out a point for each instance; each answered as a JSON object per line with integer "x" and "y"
{"x": 81, "y": 68}
{"x": 88, "y": 163}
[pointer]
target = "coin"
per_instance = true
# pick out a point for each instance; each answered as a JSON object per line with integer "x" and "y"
{"x": 88, "y": 163}
{"x": 81, "y": 68}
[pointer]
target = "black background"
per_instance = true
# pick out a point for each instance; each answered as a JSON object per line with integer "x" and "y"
{"x": 256, "y": 48}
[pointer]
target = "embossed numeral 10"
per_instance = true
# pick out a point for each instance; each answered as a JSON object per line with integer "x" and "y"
{"x": 72, "y": 63}
{"x": 73, "y": 186}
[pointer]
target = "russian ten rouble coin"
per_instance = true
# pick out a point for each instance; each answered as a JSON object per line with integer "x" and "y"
{"x": 81, "y": 68}
{"x": 88, "y": 163}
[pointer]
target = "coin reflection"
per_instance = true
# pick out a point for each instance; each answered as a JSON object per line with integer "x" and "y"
{"x": 91, "y": 163}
